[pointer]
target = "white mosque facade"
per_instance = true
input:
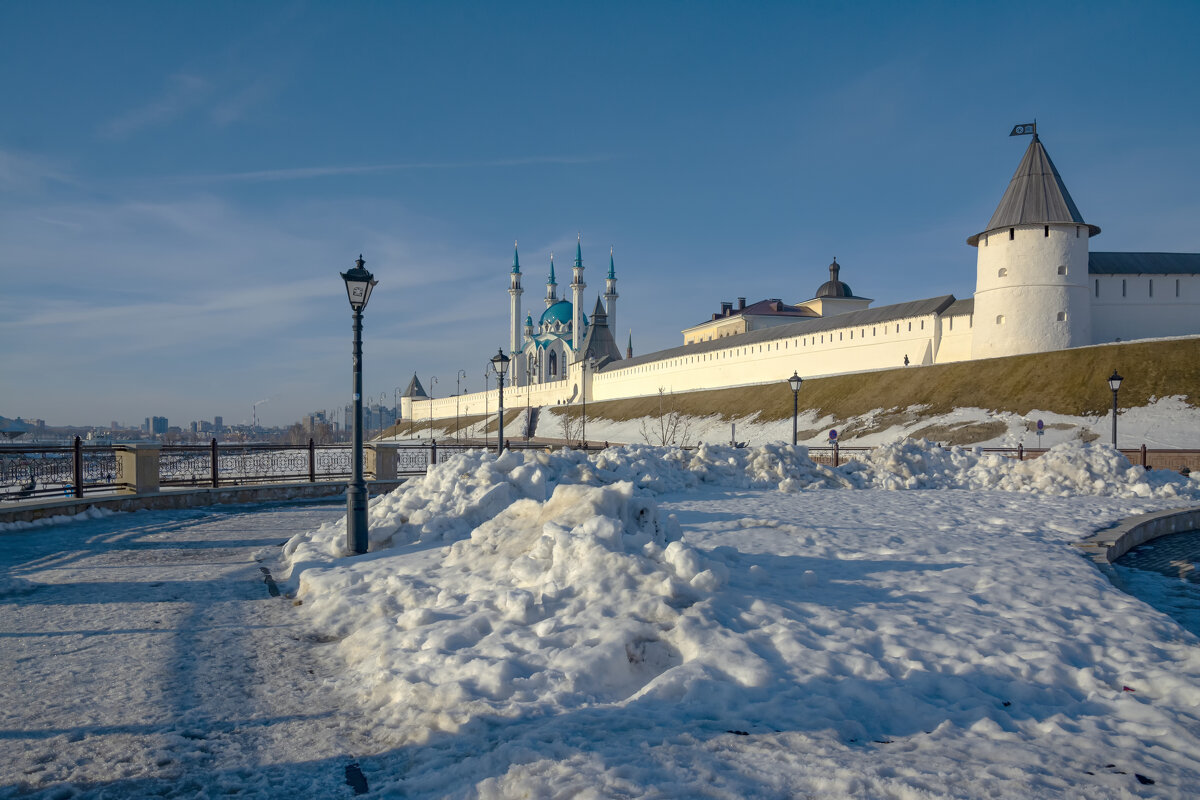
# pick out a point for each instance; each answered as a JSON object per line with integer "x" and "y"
{"x": 1039, "y": 288}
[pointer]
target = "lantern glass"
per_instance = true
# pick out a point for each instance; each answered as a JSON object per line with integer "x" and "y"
{"x": 500, "y": 363}
{"x": 795, "y": 381}
{"x": 359, "y": 283}
{"x": 1114, "y": 381}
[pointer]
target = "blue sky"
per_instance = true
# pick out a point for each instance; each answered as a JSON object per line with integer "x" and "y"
{"x": 180, "y": 183}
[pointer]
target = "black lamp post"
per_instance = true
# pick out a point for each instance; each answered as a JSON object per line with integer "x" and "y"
{"x": 359, "y": 283}
{"x": 432, "y": 383}
{"x": 500, "y": 365}
{"x": 795, "y": 382}
{"x": 1114, "y": 383}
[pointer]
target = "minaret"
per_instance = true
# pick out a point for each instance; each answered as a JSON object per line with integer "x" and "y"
{"x": 1031, "y": 283}
{"x": 577, "y": 287}
{"x": 551, "y": 286}
{"x": 610, "y": 292}
{"x": 514, "y": 292}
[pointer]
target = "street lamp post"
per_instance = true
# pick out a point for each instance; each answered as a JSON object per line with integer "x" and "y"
{"x": 500, "y": 365}
{"x": 795, "y": 382}
{"x": 487, "y": 374}
{"x": 590, "y": 362}
{"x": 460, "y": 376}
{"x": 396, "y": 410}
{"x": 1114, "y": 383}
{"x": 530, "y": 372}
{"x": 432, "y": 381}
{"x": 382, "y": 406}
{"x": 359, "y": 283}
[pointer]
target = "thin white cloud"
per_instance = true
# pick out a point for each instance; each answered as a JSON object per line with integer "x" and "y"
{"x": 304, "y": 173}
{"x": 183, "y": 93}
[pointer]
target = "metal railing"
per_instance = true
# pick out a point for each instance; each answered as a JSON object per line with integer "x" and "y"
{"x": 32, "y": 472}
{"x": 58, "y": 470}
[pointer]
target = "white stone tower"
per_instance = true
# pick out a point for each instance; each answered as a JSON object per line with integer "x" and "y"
{"x": 577, "y": 287}
{"x": 551, "y": 286}
{"x": 610, "y": 292}
{"x": 514, "y": 305}
{"x": 1031, "y": 293}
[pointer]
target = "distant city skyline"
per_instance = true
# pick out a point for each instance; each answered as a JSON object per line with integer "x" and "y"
{"x": 180, "y": 184}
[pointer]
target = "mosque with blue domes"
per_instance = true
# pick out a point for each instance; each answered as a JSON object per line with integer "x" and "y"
{"x": 543, "y": 351}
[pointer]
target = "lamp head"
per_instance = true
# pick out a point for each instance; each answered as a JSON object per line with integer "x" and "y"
{"x": 795, "y": 381}
{"x": 1114, "y": 381}
{"x": 359, "y": 283}
{"x": 500, "y": 362}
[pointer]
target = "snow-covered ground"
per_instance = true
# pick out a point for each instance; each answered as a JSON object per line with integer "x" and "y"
{"x": 1166, "y": 422}
{"x": 738, "y": 623}
{"x": 642, "y": 622}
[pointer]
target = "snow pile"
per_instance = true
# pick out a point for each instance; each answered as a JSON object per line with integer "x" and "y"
{"x": 1072, "y": 468}
{"x": 555, "y": 604}
{"x": 462, "y": 492}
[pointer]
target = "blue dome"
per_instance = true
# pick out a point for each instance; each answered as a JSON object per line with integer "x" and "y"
{"x": 560, "y": 312}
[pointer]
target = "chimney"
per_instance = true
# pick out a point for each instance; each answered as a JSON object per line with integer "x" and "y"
{"x": 741, "y": 303}
{"x": 726, "y": 308}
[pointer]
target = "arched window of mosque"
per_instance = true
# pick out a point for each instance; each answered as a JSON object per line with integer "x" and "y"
{"x": 1003, "y": 273}
{"x": 1062, "y": 269}
{"x": 553, "y": 363}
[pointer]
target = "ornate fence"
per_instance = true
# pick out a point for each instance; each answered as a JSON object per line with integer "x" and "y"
{"x": 57, "y": 471}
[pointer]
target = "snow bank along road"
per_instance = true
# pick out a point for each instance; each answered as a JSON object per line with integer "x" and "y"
{"x": 636, "y": 623}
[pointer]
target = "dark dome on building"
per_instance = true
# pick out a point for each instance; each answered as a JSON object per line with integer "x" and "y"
{"x": 834, "y": 287}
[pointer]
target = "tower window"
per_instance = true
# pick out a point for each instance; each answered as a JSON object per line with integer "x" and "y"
{"x": 1122, "y": 287}
{"x": 1097, "y": 287}
{"x": 1152, "y": 287}
{"x": 1003, "y": 273}
{"x": 1076, "y": 231}
{"x": 1062, "y": 269}
{"x": 1046, "y": 231}
{"x": 1062, "y": 316}
{"x": 1177, "y": 287}
{"x": 999, "y": 319}
{"x": 1012, "y": 234}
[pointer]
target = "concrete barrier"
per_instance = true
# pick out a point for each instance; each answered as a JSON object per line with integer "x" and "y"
{"x": 1108, "y": 545}
{"x": 188, "y": 498}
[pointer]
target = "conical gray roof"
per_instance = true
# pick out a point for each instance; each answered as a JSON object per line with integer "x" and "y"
{"x": 1035, "y": 195}
{"x": 415, "y": 389}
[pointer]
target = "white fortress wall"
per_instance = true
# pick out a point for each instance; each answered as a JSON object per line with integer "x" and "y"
{"x": 477, "y": 403}
{"x": 1130, "y": 306}
{"x": 850, "y": 349}
{"x": 954, "y": 338}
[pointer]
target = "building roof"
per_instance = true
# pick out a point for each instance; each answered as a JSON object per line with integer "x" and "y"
{"x": 1144, "y": 263}
{"x": 805, "y": 327}
{"x": 960, "y": 308}
{"x": 559, "y": 312}
{"x": 599, "y": 342}
{"x": 834, "y": 287}
{"x": 414, "y": 388}
{"x": 1035, "y": 195}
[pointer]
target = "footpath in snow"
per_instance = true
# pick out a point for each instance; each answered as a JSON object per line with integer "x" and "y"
{"x": 737, "y": 623}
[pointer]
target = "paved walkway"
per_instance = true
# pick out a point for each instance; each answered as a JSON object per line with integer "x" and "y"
{"x": 144, "y": 655}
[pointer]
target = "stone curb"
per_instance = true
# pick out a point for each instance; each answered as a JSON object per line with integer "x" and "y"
{"x": 1106, "y": 546}
{"x": 187, "y": 498}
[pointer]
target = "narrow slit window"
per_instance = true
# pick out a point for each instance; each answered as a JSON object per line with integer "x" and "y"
{"x": 1046, "y": 231}
{"x": 1012, "y": 234}
{"x": 1177, "y": 287}
{"x": 1062, "y": 269}
{"x": 1122, "y": 287}
{"x": 1097, "y": 287}
{"x": 999, "y": 319}
{"x": 1152, "y": 287}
